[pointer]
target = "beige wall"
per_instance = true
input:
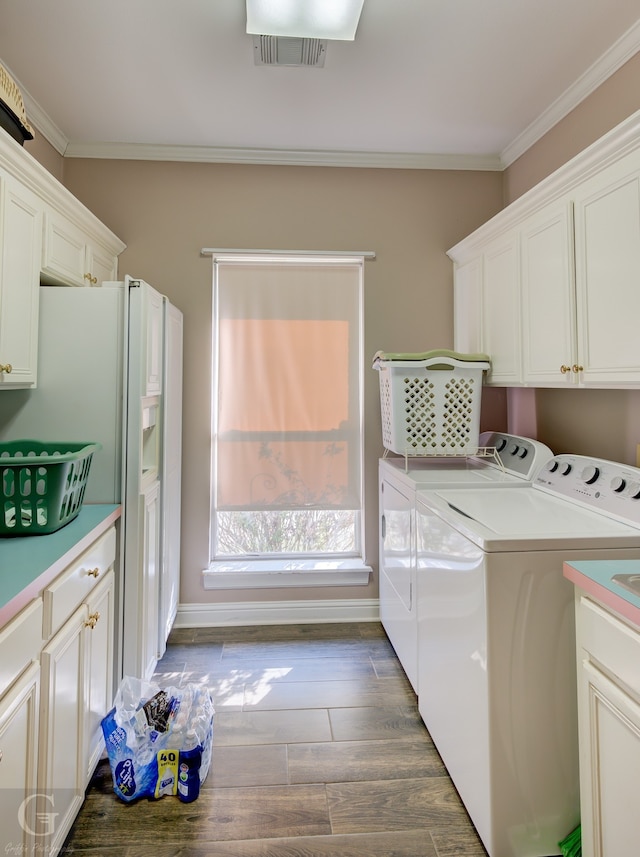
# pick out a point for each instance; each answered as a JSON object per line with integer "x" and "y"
{"x": 44, "y": 152}
{"x": 167, "y": 212}
{"x": 605, "y": 423}
{"x": 617, "y": 98}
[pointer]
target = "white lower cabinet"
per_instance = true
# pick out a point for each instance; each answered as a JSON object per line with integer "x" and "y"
{"x": 21, "y": 828}
{"x": 76, "y": 683}
{"x": 76, "y": 693}
{"x": 99, "y": 685}
{"x": 609, "y": 723}
{"x": 61, "y": 737}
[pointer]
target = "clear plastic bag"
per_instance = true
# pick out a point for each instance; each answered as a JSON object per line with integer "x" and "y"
{"x": 146, "y": 730}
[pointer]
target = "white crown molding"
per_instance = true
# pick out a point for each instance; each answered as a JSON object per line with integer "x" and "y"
{"x": 283, "y": 157}
{"x": 626, "y": 47}
{"x": 277, "y": 613}
{"x": 41, "y": 121}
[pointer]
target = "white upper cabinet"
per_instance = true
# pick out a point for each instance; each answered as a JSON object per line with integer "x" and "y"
{"x": 548, "y": 298}
{"x": 467, "y": 307}
{"x": 20, "y": 243}
{"x": 501, "y": 309}
{"x": 70, "y": 257}
{"x": 46, "y": 236}
{"x": 607, "y": 236}
{"x": 560, "y": 284}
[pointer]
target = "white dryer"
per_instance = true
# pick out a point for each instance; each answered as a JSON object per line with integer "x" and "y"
{"x": 503, "y": 460}
{"x": 496, "y": 678}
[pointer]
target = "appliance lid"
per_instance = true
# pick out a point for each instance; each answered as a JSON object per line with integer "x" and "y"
{"x": 527, "y": 519}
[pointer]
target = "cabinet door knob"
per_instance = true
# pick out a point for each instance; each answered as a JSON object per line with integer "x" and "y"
{"x": 94, "y": 572}
{"x": 6, "y": 368}
{"x": 564, "y": 369}
{"x": 575, "y": 368}
{"x": 92, "y": 280}
{"x": 92, "y": 621}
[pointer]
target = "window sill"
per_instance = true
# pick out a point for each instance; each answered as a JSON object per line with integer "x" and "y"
{"x": 268, "y": 573}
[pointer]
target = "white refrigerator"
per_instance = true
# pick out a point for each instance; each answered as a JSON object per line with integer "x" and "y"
{"x": 110, "y": 370}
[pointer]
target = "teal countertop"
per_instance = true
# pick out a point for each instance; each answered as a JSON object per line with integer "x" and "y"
{"x": 595, "y": 578}
{"x": 29, "y": 563}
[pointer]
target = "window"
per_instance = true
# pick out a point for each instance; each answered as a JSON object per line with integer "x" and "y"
{"x": 287, "y": 420}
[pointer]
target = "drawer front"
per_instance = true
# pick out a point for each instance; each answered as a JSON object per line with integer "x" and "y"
{"x": 20, "y": 643}
{"x": 609, "y": 641}
{"x": 74, "y": 585}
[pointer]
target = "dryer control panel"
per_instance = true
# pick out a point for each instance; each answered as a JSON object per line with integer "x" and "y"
{"x": 611, "y": 488}
{"x": 520, "y": 456}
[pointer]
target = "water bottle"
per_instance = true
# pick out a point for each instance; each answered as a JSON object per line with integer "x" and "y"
{"x": 189, "y": 768}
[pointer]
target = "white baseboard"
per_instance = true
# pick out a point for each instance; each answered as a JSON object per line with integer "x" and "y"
{"x": 277, "y": 613}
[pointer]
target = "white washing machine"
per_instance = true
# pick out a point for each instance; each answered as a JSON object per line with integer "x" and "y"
{"x": 496, "y": 677}
{"x": 516, "y": 462}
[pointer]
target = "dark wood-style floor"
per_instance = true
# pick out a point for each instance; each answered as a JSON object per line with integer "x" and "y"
{"x": 318, "y": 751}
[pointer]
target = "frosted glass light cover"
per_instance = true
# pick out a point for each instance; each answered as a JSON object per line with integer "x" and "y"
{"x": 309, "y": 19}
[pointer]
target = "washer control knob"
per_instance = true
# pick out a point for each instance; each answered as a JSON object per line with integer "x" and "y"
{"x": 565, "y": 468}
{"x": 590, "y": 474}
{"x": 552, "y": 466}
{"x": 634, "y": 490}
{"x": 523, "y": 452}
{"x": 618, "y": 484}
{"x": 513, "y": 449}
{"x": 501, "y": 443}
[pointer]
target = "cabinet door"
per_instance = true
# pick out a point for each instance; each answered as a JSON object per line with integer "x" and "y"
{"x": 548, "y": 298}
{"x": 21, "y": 827}
{"x": 101, "y": 265}
{"x": 99, "y": 672}
{"x": 607, "y": 238}
{"x": 60, "y": 774}
{"x": 21, "y": 230}
{"x": 63, "y": 252}
{"x": 69, "y": 256}
{"x": 501, "y": 310}
{"x": 609, "y": 765}
{"x": 467, "y": 307}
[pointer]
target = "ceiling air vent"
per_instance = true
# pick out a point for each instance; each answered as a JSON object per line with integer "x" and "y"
{"x": 281, "y": 50}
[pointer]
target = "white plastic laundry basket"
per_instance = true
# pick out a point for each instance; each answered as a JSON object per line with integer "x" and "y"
{"x": 431, "y": 406}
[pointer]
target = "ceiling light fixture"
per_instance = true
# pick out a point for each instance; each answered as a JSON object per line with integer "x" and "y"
{"x": 308, "y": 19}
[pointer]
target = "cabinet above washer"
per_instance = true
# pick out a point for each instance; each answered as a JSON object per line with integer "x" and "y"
{"x": 569, "y": 297}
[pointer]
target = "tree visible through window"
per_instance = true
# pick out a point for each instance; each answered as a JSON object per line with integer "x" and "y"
{"x": 287, "y": 421}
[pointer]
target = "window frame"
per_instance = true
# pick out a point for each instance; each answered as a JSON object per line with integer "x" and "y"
{"x": 307, "y": 565}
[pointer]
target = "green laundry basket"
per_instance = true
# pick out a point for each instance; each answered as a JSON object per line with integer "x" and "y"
{"x": 571, "y": 845}
{"x": 42, "y": 485}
